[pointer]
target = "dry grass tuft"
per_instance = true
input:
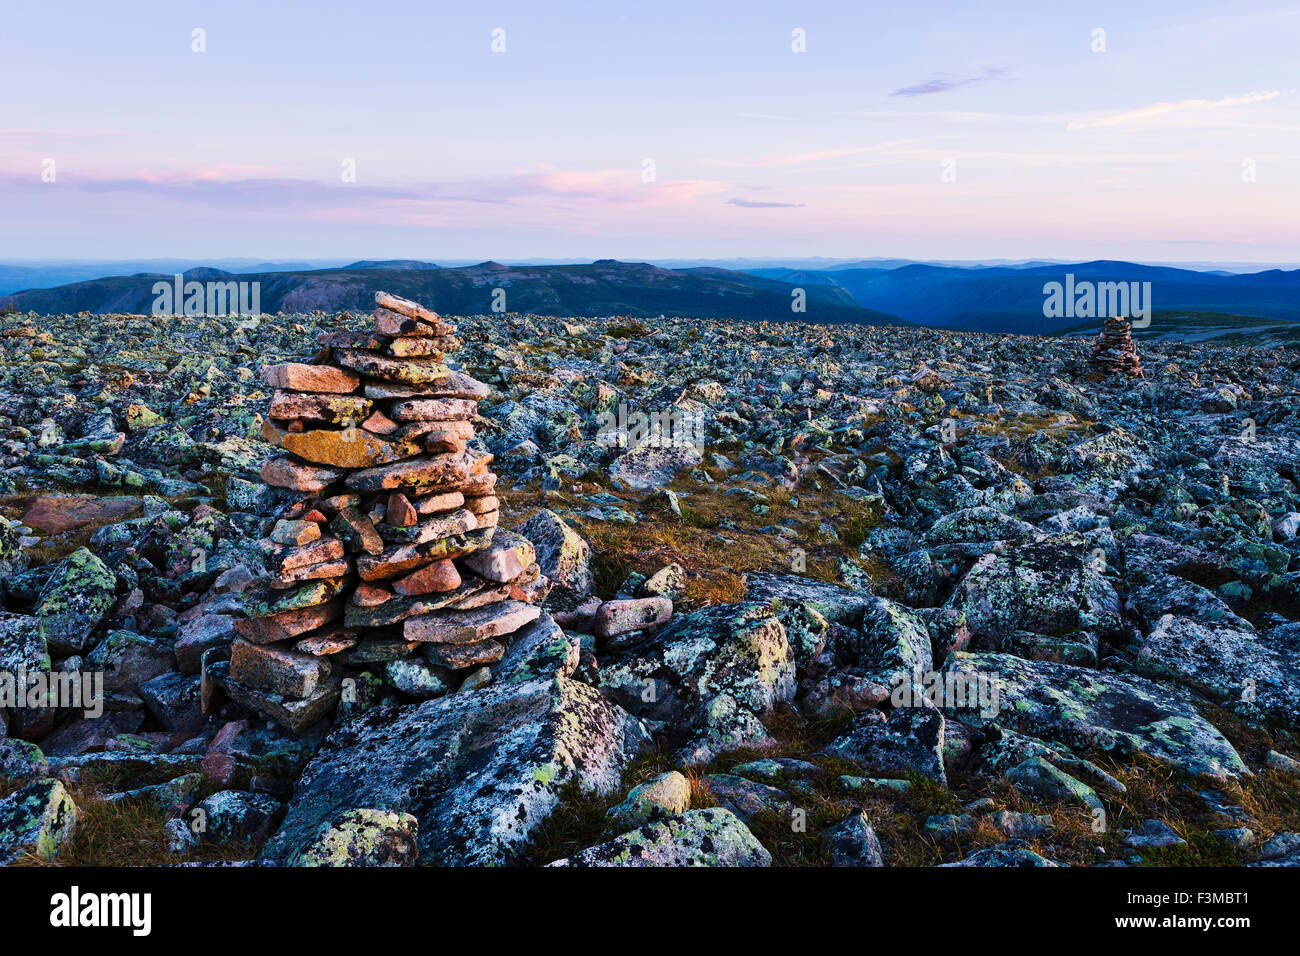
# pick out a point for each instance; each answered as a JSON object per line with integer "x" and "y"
{"x": 129, "y": 833}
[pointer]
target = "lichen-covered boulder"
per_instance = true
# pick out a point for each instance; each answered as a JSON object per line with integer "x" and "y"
{"x": 980, "y": 523}
{"x": 853, "y": 842}
{"x": 834, "y": 602}
{"x": 807, "y": 631}
{"x": 1109, "y": 461}
{"x": 1013, "y": 749}
{"x": 1023, "y": 826}
{"x": 22, "y": 646}
{"x": 130, "y": 768}
{"x": 250, "y": 496}
{"x": 1085, "y": 708}
{"x": 712, "y": 837}
{"x": 20, "y": 760}
{"x": 1051, "y": 589}
{"x": 12, "y": 556}
{"x": 363, "y": 837}
{"x": 418, "y": 678}
{"x": 667, "y": 795}
{"x": 708, "y": 676}
{"x": 539, "y": 650}
{"x": 478, "y": 770}
{"x": 908, "y": 741}
{"x": 172, "y": 796}
{"x": 1153, "y": 593}
{"x": 563, "y": 556}
{"x": 1010, "y": 853}
{"x": 1152, "y": 835}
{"x": 78, "y": 595}
{"x": 127, "y": 660}
{"x": 174, "y": 701}
{"x": 648, "y": 466}
{"x": 839, "y": 693}
{"x": 37, "y": 819}
{"x": 1048, "y": 782}
{"x": 894, "y": 643}
{"x": 200, "y": 634}
{"x": 1227, "y": 663}
{"x": 747, "y": 798}
{"x": 669, "y": 582}
{"x": 237, "y": 816}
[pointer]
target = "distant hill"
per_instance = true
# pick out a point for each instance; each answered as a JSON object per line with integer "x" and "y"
{"x": 604, "y": 287}
{"x": 47, "y": 274}
{"x": 390, "y": 264}
{"x": 1010, "y": 298}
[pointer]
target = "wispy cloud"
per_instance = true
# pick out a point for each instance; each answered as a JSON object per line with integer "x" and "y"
{"x": 233, "y": 187}
{"x": 947, "y": 81}
{"x": 754, "y": 204}
{"x": 1145, "y": 113}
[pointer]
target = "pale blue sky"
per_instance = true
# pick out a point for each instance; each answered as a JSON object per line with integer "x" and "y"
{"x": 1137, "y": 152}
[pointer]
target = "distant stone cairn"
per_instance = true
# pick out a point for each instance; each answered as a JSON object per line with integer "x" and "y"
{"x": 1114, "y": 351}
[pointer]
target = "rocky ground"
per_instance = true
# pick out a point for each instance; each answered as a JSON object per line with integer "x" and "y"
{"x": 937, "y": 599}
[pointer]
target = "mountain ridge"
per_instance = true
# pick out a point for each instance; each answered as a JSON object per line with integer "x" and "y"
{"x": 604, "y": 287}
{"x": 980, "y": 298}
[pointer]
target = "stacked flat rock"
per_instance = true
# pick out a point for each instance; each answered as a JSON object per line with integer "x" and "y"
{"x": 1114, "y": 350}
{"x": 390, "y": 563}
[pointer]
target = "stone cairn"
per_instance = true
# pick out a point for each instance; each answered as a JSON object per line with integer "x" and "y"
{"x": 390, "y": 561}
{"x": 1114, "y": 350}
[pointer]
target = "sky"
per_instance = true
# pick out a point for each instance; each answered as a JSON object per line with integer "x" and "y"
{"x": 1154, "y": 130}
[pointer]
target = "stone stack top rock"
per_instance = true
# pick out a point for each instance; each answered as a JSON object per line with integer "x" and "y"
{"x": 386, "y": 575}
{"x": 1114, "y": 351}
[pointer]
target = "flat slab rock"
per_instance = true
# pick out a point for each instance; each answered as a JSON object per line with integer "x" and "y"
{"x": 623, "y": 617}
{"x": 413, "y": 473}
{"x": 298, "y": 377}
{"x": 479, "y": 770}
{"x": 466, "y": 627}
{"x": 297, "y": 475}
{"x": 649, "y": 467}
{"x": 55, "y": 514}
{"x": 833, "y": 602}
{"x": 292, "y": 714}
{"x": 455, "y": 385}
{"x": 458, "y": 657}
{"x": 1117, "y": 713}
